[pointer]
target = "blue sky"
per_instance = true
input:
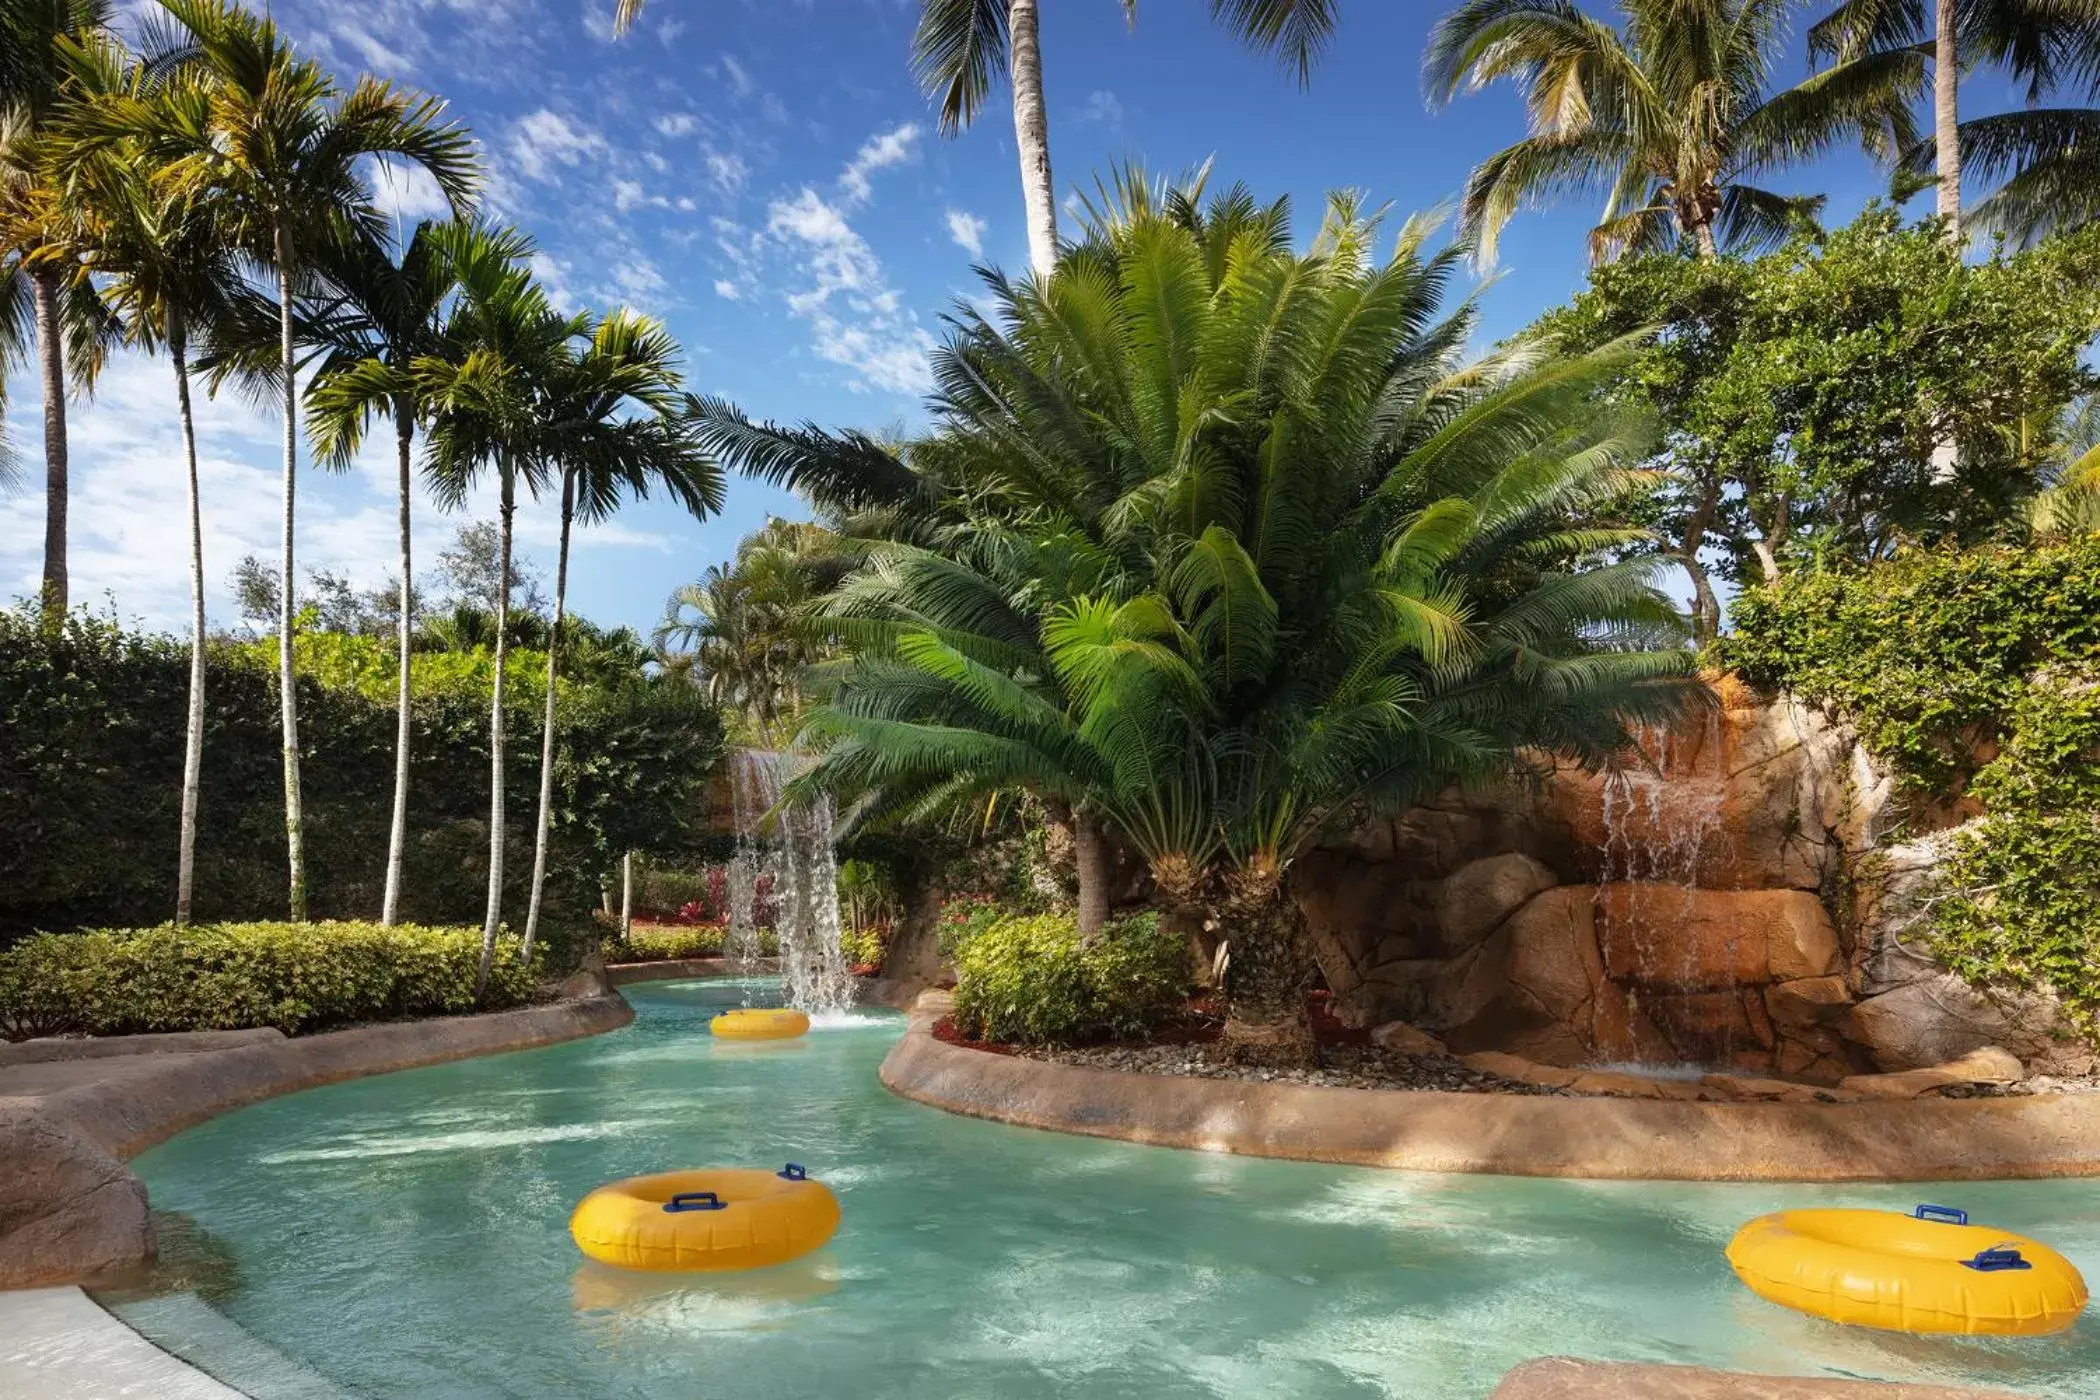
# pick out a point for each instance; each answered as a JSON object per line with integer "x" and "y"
{"x": 765, "y": 176}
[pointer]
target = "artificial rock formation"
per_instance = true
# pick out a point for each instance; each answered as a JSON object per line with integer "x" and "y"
{"x": 1676, "y": 911}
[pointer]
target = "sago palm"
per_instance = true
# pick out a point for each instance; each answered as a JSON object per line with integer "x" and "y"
{"x": 1321, "y": 564}
{"x": 1671, "y": 116}
{"x": 608, "y": 428}
{"x": 376, "y": 315}
{"x": 283, "y": 155}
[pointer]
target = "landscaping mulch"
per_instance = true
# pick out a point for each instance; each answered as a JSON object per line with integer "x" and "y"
{"x": 1340, "y": 1067}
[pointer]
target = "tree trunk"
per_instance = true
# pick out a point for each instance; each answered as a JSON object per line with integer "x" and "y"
{"x": 1703, "y": 235}
{"x": 1706, "y": 607}
{"x": 404, "y": 639}
{"x": 626, "y": 894}
{"x": 48, "y": 291}
{"x": 1946, "y": 116}
{"x": 505, "y": 509}
{"x": 1091, "y": 857}
{"x": 193, "y": 732}
{"x": 539, "y": 840}
{"x": 1268, "y": 971}
{"x": 287, "y": 683}
{"x": 1032, "y": 136}
{"x": 1773, "y": 539}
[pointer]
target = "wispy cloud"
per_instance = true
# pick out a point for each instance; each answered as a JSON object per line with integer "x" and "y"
{"x": 727, "y": 172}
{"x": 856, "y": 318}
{"x": 677, "y": 124}
{"x": 741, "y": 83}
{"x": 545, "y": 139}
{"x": 879, "y": 152}
{"x": 968, "y": 231}
{"x": 1103, "y": 108}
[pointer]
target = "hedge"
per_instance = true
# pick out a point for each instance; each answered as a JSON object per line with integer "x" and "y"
{"x": 91, "y": 781}
{"x": 1028, "y": 980}
{"x": 656, "y": 943}
{"x": 296, "y": 977}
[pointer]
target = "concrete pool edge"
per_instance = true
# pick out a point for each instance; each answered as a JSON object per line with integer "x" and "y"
{"x": 62, "y": 1345}
{"x": 72, "y": 1212}
{"x": 1510, "y": 1135}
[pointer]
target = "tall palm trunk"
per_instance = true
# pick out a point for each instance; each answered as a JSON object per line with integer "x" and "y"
{"x": 287, "y": 684}
{"x": 539, "y": 840}
{"x": 405, "y": 629}
{"x": 1946, "y": 115}
{"x": 626, "y": 894}
{"x": 1269, "y": 968}
{"x": 1032, "y": 135}
{"x": 193, "y": 730}
{"x": 48, "y": 291}
{"x": 494, "y": 915}
{"x": 1090, "y": 857}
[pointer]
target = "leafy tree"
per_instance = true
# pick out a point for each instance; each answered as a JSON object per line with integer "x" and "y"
{"x": 2045, "y": 152}
{"x": 1253, "y": 548}
{"x": 281, "y": 153}
{"x": 1805, "y": 393}
{"x": 1671, "y": 116}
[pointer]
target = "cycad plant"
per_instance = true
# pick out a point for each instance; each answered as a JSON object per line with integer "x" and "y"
{"x": 1671, "y": 116}
{"x": 1254, "y": 549}
{"x": 282, "y": 154}
{"x": 608, "y": 428}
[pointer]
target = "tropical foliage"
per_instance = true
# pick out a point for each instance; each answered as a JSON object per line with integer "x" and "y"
{"x": 1031, "y": 979}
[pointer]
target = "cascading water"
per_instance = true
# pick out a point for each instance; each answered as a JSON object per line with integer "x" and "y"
{"x": 786, "y": 874}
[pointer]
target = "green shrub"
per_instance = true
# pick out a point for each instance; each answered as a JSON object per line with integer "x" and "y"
{"x": 963, "y": 917}
{"x": 659, "y": 942}
{"x": 2019, "y": 898}
{"x": 867, "y": 947}
{"x": 296, "y": 977}
{"x": 1028, "y": 980}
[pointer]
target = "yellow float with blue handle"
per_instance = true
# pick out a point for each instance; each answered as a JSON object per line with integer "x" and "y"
{"x": 687, "y": 1221}
{"x": 1929, "y": 1271}
{"x": 760, "y": 1023}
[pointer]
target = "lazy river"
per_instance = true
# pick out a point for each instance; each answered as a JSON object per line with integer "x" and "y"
{"x": 403, "y": 1238}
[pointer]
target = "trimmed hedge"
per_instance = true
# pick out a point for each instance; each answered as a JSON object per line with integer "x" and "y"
{"x": 659, "y": 943}
{"x": 296, "y": 977}
{"x": 1028, "y": 980}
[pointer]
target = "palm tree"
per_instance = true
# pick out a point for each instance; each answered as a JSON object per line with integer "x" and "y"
{"x": 1671, "y": 116}
{"x": 481, "y": 389}
{"x": 606, "y": 428}
{"x": 281, "y": 151}
{"x": 381, "y": 316}
{"x": 39, "y": 263}
{"x": 2040, "y": 42}
{"x": 170, "y": 273}
{"x": 1344, "y": 565}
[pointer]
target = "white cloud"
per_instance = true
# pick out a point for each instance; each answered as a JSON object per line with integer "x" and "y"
{"x": 544, "y": 139}
{"x": 727, "y": 290}
{"x": 599, "y": 24}
{"x": 879, "y": 152}
{"x": 677, "y": 124}
{"x": 856, "y": 319}
{"x": 407, "y": 192}
{"x": 669, "y": 31}
{"x": 554, "y": 277}
{"x": 627, "y": 194}
{"x": 372, "y": 51}
{"x": 741, "y": 83}
{"x": 684, "y": 204}
{"x": 1103, "y": 108}
{"x": 968, "y": 232}
{"x": 727, "y": 172}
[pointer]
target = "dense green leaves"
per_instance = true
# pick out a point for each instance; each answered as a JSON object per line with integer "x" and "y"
{"x": 1031, "y": 981}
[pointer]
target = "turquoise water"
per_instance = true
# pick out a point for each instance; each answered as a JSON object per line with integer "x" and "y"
{"x": 403, "y": 1238}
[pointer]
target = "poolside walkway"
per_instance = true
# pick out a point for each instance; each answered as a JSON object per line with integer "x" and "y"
{"x": 58, "y": 1344}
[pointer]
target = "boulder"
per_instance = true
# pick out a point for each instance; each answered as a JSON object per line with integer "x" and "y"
{"x": 68, "y": 1209}
{"x": 1531, "y": 986}
{"x": 1989, "y": 1065}
{"x": 1686, "y": 939}
{"x": 1400, "y": 1036}
{"x": 1806, "y": 1002}
{"x": 1478, "y": 896}
{"x": 1926, "y": 1023}
{"x": 1521, "y": 1070}
{"x": 1724, "y": 1027}
{"x": 1756, "y": 1089}
{"x": 1613, "y": 1084}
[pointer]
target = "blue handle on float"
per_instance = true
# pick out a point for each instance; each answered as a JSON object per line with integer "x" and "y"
{"x": 791, "y": 1172}
{"x": 1945, "y": 1215}
{"x": 1991, "y": 1261}
{"x": 696, "y": 1200}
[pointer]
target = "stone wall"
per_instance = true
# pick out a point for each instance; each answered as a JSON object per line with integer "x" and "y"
{"x": 1678, "y": 910}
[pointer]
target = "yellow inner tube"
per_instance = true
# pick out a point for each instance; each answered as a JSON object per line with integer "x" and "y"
{"x": 733, "y": 1218}
{"x": 1927, "y": 1272}
{"x": 753, "y": 1023}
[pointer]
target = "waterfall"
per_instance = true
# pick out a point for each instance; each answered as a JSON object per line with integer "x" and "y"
{"x": 784, "y": 873}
